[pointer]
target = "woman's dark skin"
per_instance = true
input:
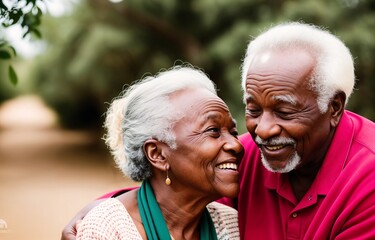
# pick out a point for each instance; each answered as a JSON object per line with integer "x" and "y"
{"x": 206, "y": 137}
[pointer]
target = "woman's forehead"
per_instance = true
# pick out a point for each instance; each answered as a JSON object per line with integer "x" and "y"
{"x": 196, "y": 104}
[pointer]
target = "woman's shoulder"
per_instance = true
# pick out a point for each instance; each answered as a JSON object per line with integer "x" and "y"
{"x": 108, "y": 220}
{"x": 216, "y": 207}
{"x": 109, "y": 204}
{"x": 225, "y": 219}
{"x": 109, "y": 210}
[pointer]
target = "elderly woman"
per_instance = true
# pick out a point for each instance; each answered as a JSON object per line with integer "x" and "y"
{"x": 173, "y": 133}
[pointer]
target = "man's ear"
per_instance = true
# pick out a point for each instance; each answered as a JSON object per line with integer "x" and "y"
{"x": 337, "y": 107}
{"x": 155, "y": 153}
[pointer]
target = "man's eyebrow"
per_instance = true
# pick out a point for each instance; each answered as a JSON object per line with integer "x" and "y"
{"x": 286, "y": 98}
{"x": 247, "y": 97}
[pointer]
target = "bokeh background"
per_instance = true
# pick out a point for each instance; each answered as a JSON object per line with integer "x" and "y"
{"x": 52, "y": 158}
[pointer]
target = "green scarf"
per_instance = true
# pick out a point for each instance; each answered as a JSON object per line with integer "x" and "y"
{"x": 153, "y": 220}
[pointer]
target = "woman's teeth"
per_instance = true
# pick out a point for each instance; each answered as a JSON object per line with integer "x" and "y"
{"x": 231, "y": 166}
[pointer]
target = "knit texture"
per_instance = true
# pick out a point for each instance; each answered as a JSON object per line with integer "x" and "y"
{"x": 111, "y": 221}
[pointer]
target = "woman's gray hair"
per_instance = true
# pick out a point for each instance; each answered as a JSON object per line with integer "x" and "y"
{"x": 334, "y": 68}
{"x": 144, "y": 111}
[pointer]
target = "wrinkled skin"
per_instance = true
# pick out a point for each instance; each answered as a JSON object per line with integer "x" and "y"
{"x": 202, "y": 168}
{"x": 283, "y": 117}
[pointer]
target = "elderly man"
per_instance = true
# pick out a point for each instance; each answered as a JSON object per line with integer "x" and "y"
{"x": 309, "y": 165}
{"x": 314, "y": 176}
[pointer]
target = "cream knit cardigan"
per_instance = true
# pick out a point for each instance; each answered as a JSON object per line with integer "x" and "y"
{"x": 111, "y": 221}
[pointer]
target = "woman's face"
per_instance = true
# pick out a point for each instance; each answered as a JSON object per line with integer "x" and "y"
{"x": 208, "y": 151}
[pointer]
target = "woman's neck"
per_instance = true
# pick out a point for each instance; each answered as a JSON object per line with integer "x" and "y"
{"x": 182, "y": 211}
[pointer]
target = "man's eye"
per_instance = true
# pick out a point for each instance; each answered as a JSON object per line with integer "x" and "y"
{"x": 253, "y": 112}
{"x": 285, "y": 114}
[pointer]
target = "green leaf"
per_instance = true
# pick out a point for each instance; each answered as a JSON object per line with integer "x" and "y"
{"x": 27, "y": 31}
{"x": 40, "y": 12}
{"x": 14, "y": 50}
{"x": 4, "y": 54}
{"x": 15, "y": 15}
{"x": 12, "y": 75}
{"x": 37, "y": 33}
{"x": 2, "y": 6}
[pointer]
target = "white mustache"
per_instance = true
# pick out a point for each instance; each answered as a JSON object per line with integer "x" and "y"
{"x": 275, "y": 141}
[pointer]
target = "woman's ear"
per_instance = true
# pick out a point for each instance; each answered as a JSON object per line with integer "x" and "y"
{"x": 155, "y": 153}
{"x": 337, "y": 106}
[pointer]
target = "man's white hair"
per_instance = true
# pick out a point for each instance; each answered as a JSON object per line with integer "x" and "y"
{"x": 334, "y": 68}
{"x": 144, "y": 111}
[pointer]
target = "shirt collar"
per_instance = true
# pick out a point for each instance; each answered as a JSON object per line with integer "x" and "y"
{"x": 337, "y": 155}
{"x": 333, "y": 163}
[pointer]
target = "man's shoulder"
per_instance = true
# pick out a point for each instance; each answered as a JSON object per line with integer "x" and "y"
{"x": 251, "y": 149}
{"x": 245, "y": 138}
{"x": 353, "y": 140}
{"x": 248, "y": 142}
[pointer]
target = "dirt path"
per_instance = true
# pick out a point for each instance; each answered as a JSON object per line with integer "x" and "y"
{"x": 46, "y": 176}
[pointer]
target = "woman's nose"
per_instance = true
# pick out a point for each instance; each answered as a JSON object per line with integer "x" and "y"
{"x": 233, "y": 144}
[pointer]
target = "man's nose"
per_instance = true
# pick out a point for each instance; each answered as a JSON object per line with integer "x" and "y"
{"x": 267, "y": 126}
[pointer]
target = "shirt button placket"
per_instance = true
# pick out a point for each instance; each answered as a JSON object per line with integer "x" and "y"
{"x": 293, "y": 226}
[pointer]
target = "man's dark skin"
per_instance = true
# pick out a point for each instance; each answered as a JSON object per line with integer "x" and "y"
{"x": 302, "y": 180}
{"x": 287, "y": 76}
{"x": 300, "y": 186}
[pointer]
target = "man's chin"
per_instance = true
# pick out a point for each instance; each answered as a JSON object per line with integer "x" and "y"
{"x": 279, "y": 167}
{"x": 275, "y": 169}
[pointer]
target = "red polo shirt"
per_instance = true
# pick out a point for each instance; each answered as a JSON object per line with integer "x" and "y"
{"x": 340, "y": 204}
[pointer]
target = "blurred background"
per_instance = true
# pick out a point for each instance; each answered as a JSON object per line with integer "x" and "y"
{"x": 65, "y": 60}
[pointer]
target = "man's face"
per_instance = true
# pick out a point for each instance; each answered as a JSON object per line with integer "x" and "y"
{"x": 282, "y": 114}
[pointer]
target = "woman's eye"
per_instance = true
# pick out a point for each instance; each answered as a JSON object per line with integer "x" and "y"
{"x": 214, "y": 130}
{"x": 234, "y": 133}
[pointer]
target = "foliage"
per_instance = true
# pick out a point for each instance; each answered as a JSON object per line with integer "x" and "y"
{"x": 103, "y": 46}
{"x": 25, "y": 13}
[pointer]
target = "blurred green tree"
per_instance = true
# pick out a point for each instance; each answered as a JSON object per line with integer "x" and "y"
{"x": 25, "y": 13}
{"x": 102, "y": 46}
